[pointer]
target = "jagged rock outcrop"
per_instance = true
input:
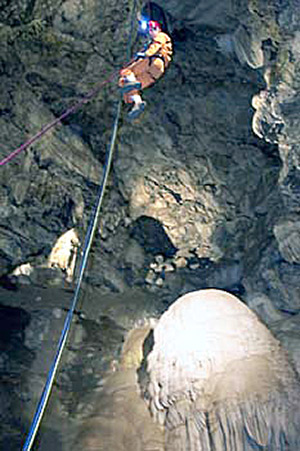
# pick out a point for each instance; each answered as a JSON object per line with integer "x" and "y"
{"x": 275, "y": 121}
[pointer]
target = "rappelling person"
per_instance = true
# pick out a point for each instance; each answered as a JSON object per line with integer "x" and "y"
{"x": 147, "y": 67}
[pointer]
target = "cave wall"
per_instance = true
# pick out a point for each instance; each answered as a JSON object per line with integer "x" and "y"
{"x": 204, "y": 189}
{"x": 194, "y": 163}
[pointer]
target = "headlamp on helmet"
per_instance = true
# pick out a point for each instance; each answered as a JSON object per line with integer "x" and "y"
{"x": 144, "y": 25}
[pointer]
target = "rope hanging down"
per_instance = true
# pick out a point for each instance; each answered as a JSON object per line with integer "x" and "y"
{"x": 87, "y": 245}
{"x": 72, "y": 108}
{"x": 64, "y": 335}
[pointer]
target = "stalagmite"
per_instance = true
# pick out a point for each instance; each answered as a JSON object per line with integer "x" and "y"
{"x": 219, "y": 380}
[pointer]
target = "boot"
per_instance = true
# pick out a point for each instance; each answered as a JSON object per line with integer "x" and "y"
{"x": 136, "y": 111}
{"x": 130, "y": 86}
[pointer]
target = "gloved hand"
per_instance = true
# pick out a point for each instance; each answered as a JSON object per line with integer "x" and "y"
{"x": 140, "y": 55}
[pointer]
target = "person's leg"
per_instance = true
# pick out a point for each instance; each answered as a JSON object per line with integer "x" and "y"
{"x": 156, "y": 69}
{"x": 148, "y": 72}
{"x": 137, "y": 99}
{"x": 136, "y": 72}
{"x": 128, "y": 81}
{"x": 134, "y": 98}
{"x": 130, "y": 76}
{"x": 130, "y": 89}
{"x": 145, "y": 74}
{"x": 138, "y": 107}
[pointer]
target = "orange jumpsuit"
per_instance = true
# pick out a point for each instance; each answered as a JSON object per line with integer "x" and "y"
{"x": 149, "y": 69}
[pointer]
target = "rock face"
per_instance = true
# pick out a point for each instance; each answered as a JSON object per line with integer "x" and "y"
{"x": 122, "y": 421}
{"x": 193, "y": 164}
{"x": 219, "y": 380}
{"x": 209, "y": 169}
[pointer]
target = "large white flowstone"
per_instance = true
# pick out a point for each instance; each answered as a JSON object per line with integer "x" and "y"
{"x": 220, "y": 380}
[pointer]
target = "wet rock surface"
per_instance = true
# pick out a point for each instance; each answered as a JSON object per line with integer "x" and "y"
{"x": 204, "y": 189}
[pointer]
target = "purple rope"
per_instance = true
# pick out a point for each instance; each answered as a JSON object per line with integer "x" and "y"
{"x": 52, "y": 124}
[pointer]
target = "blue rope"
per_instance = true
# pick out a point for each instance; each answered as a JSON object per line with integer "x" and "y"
{"x": 64, "y": 335}
{"x": 87, "y": 245}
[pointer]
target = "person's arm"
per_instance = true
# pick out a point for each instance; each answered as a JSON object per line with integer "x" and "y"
{"x": 156, "y": 45}
{"x": 153, "y": 48}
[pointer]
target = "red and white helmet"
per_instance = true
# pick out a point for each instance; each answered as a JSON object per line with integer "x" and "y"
{"x": 154, "y": 25}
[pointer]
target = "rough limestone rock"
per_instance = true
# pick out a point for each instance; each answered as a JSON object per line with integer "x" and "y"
{"x": 276, "y": 121}
{"x": 220, "y": 380}
{"x": 213, "y": 161}
{"x": 192, "y": 164}
{"x": 122, "y": 421}
{"x": 204, "y": 188}
{"x": 287, "y": 234}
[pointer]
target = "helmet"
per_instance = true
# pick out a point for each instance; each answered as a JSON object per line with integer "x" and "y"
{"x": 154, "y": 25}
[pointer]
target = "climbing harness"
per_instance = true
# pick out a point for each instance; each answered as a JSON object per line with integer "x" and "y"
{"x": 87, "y": 245}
